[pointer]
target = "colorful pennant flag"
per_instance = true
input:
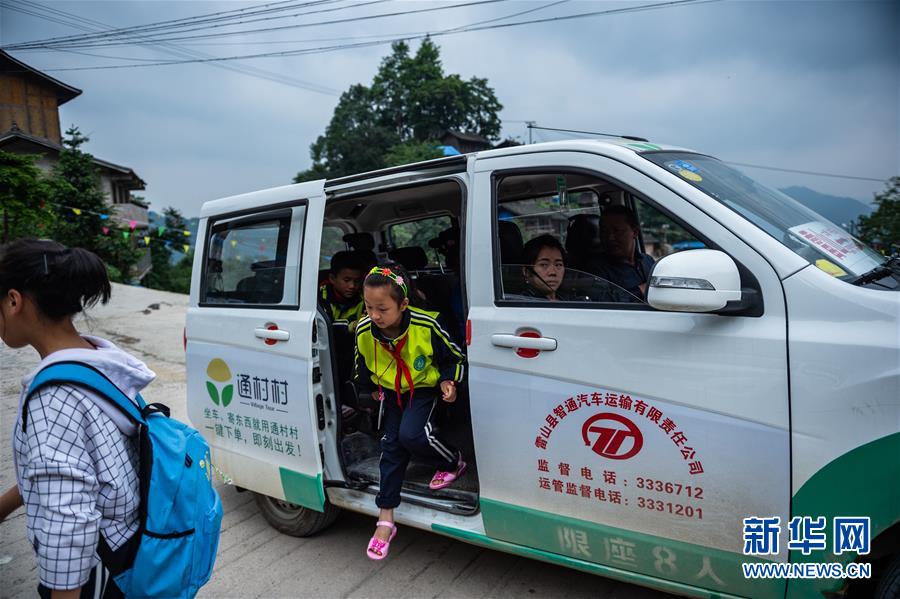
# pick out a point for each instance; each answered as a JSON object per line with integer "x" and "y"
{"x": 132, "y": 224}
{"x": 147, "y": 239}
{"x": 77, "y": 211}
{"x": 105, "y": 230}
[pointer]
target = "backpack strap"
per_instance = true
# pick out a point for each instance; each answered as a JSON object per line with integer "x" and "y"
{"x": 84, "y": 375}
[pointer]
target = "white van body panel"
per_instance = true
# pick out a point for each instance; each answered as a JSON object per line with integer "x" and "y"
{"x": 242, "y": 434}
{"x": 722, "y": 381}
{"x": 845, "y": 369}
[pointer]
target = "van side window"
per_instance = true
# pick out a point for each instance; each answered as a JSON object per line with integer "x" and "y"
{"x": 576, "y": 239}
{"x": 418, "y": 233}
{"x": 332, "y": 243}
{"x": 661, "y": 234}
{"x": 246, "y": 261}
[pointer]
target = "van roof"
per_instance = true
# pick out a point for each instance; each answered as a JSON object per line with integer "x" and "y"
{"x": 457, "y": 163}
{"x": 612, "y": 147}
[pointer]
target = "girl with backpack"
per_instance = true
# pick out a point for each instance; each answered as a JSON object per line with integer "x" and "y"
{"x": 407, "y": 360}
{"x": 76, "y": 461}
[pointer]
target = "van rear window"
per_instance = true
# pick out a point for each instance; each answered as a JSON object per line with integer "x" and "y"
{"x": 246, "y": 261}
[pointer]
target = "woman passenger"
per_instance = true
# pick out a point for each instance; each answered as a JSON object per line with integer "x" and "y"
{"x": 544, "y": 266}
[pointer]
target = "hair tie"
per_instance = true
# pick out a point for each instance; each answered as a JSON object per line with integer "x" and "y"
{"x": 388, "y": 273}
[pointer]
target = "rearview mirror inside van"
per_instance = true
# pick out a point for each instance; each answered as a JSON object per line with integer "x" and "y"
{"x": 699, "y": 280}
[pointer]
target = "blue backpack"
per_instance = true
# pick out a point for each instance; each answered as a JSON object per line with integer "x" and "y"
{"x": 173, "y": 552}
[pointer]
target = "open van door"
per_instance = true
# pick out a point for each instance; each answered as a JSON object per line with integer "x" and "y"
{"x": 252, "y": 374}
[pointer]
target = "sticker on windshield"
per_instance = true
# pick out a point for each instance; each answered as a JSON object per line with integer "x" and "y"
{"x": 837, "y": 244}
{"x": 831, "y": 268}
{"x": 685, "y": 169}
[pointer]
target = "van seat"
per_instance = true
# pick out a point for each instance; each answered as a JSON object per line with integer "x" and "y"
{"x": 412, "y": 257}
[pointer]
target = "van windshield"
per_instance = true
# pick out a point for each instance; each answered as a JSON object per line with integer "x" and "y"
{"x": 805, "y": 232}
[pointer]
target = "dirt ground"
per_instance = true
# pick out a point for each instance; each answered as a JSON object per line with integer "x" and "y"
{"x": 253, "y": 559}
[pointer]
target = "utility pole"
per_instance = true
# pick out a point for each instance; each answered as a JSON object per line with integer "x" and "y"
{"x": 530, "y": 124}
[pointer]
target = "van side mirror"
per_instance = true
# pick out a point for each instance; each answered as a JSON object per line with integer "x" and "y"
{"x": 699, "y": 280}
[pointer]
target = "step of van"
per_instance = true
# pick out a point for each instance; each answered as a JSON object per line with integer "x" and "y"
{"x": 463, "y": 492}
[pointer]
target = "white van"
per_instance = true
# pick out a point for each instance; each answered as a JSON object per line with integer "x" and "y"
{"x": 666, "y": 438}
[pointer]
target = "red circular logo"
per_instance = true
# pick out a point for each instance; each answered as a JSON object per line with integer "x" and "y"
{"x": 615, "y": 437}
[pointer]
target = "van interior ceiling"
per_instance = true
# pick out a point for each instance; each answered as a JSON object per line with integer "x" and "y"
{"x": 398, "y": 225}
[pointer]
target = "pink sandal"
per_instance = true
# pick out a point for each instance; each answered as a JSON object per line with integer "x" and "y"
{"x": 378, "y": 549}
{"x": 443, "y": 479}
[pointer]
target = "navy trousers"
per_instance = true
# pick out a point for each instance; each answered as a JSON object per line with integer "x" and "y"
{"x": 410, "y": 432}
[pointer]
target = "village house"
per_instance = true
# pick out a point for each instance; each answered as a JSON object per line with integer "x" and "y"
{"x": 29, "y": 124}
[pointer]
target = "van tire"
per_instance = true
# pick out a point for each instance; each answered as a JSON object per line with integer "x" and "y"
{"x": 889, "y": 585}
{"x": 295, "y": 520}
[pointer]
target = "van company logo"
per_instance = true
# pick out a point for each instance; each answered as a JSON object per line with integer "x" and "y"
{"x": 219, "y": 372}
{"x": 614, "y": 436}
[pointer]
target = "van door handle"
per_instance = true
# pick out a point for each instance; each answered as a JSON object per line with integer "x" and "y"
{"x": 274, "y": 334}
{"x": 517, "y": 342}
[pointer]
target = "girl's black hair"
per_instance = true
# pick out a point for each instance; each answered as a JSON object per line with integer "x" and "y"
{"x": 533, "y": 248}
{"x": 61, "y": 281}
{"x": 375, "y": 280}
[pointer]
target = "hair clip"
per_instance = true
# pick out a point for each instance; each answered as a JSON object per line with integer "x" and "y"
{"x": 46, "y": 265}
{"x": 389, "y": 274}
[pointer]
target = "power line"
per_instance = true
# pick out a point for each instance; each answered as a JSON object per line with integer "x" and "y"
{"x": 279, "y": 28}
{"x": 173, "y": 49}
{"x": 791, "y": 170}
{"x": 177, "y": 23}
{"x": 440, "y": 33}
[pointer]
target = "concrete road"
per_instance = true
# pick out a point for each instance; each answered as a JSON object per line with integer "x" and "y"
{"x": 254, "y": 560}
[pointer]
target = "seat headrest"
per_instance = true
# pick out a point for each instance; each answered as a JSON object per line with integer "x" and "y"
{"x": 511, "y": 242}
{"x": 583, "y": 233}
{"x": 360, "y": 241}
{"x": 412, "y": 257}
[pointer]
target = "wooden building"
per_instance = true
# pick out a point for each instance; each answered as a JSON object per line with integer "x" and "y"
{"x": 29, "y": 124}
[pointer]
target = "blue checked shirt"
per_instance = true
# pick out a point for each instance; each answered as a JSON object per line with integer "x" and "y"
{"x": 77, "y": 474}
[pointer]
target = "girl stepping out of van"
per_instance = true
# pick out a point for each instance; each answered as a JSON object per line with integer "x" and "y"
{"x": 406, "y": 360}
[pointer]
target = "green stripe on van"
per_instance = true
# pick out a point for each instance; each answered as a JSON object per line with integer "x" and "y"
{"x": 612, "y": 551}
{"x": 303, "y": 489}
{"x": 561, "y": 560}
{"x": 862, "y": 482}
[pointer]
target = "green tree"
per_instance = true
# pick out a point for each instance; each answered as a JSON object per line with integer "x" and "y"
{"x": 165, "y": 275}
{"x": 78, "y": 202}
{"x": 412, "y": 151}
{"x": 410, "y": 102}
{"x": 882, "y": 227}
{"x": 23, "y": 191}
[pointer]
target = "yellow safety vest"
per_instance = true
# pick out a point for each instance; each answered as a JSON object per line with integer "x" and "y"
{"x": 426, "y": 349}
{"x": 347, "y": 315}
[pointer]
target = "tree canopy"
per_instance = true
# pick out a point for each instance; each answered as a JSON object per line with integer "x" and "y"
{"x": 399, "y": 117}
{"x": 882, "y": 227}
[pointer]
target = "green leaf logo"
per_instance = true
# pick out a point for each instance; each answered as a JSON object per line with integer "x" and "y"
{"x": 227, "y": 392}
{"x": 214, "y": 393}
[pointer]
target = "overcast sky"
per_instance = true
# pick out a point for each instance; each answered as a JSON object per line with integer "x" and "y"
{"x": 799, "y": 85}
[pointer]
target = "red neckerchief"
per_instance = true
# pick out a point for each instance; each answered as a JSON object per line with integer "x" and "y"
{"x": 402, "y": 368}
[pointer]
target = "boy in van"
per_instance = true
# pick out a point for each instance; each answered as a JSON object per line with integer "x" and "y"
{"x": 340, "y": 296}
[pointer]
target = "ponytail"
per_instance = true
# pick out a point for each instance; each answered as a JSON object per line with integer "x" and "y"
{"x": 61, "y": 281}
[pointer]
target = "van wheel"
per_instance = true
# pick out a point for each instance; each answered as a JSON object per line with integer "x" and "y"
{"x": 889, "y": 585}
{"x": 295, "y": 520}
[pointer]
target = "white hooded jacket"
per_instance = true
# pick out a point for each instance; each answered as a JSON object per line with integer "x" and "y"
{"x": 76, "y": 465}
